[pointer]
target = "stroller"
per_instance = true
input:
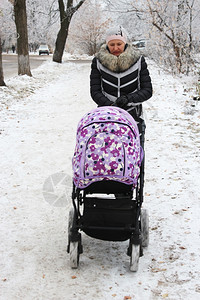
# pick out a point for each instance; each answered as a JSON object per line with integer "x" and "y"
{"x": 108, "y": 179}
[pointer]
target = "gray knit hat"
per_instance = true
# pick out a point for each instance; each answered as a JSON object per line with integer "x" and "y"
{"x": 116, "y": 33}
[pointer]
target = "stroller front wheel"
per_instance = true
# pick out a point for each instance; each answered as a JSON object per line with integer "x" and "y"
{"x": 134, "y": 260}
{"x": 74, "y": 255}
{"x": 73, "y": 246}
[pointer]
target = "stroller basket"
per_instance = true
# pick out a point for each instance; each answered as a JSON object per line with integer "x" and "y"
{"x": 109, "y": 219}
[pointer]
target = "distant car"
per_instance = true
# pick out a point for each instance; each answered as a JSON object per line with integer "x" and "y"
{"x": 43, "y": 49}
{"x": 139, "y": 44}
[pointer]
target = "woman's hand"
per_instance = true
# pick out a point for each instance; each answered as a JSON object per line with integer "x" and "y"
{"x": 121, "y": 102}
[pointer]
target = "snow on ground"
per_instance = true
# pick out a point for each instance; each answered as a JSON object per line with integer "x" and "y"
{"x": 39, "y": 116}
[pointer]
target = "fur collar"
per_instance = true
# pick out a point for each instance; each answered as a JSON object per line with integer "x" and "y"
{"x": 119, "y": 63}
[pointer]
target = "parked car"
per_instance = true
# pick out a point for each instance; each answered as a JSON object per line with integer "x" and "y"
{"x": 43, "y": 49}
{"x": 141, "y": 45}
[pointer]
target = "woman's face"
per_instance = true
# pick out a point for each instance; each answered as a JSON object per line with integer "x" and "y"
{"x": 116, "y": 47}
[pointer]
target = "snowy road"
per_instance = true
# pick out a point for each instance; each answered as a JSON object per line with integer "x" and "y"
{"x": 38, "y": 128}
{"x": 10, "y": 63}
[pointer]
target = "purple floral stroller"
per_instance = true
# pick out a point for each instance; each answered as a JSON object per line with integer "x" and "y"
{"x": 108, "y": 178}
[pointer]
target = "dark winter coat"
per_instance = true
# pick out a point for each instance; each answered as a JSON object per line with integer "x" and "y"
{"x": 113, "y": 76}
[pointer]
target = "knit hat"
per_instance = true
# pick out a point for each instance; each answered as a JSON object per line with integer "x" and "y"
{"x": 117, "y": 33}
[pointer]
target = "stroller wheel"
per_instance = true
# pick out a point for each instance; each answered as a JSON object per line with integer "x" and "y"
{"x": 74, "y": 241}
{"x": 70, "y": 222}
{"x": 73, "y": 247}
{"x": 74, "y": 255}
{"x": 134, "y": 260}
{"x": 144, "y": 218}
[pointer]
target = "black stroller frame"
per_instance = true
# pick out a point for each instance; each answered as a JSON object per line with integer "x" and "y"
{"x": 114, "y": 219}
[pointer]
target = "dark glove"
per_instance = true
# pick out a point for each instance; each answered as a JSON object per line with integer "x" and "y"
{"x": 121, "y": 101}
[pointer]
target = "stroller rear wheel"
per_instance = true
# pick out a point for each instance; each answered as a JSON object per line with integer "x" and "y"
{"x": 144, "y": 219}
{"x": 70, "y": 222}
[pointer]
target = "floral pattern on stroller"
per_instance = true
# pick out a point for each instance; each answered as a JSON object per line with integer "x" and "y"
{"x": 107, "y": 148}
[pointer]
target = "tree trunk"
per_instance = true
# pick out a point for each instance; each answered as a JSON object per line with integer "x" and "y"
{"x": 65, "y": 19}
{"x": 60, "y": 44}
{"x": 62, "y": 34}
{"x": 22, "y": 37}
{"x": 2, "y": 83}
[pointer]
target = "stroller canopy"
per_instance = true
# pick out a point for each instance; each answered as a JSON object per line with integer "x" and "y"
{"x": 107, "y": 148}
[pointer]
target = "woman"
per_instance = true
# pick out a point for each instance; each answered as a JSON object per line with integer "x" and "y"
{"x": 119, "y": 75}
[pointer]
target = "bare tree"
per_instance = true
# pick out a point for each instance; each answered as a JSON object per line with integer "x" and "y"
{"x": 171, "y": 31}
{"x": 174, "y": 22}
{"x": 22, "y": 36}
{"x": 87, "y": 29}
{"x": 2, "y": 83}
{"x": 65, "y": 19}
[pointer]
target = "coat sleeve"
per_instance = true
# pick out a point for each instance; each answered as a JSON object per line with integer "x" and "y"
{"x": 95, "y": 86}
{"x": 145, "y": 91}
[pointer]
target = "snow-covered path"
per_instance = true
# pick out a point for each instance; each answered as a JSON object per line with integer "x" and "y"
{"x": 39, "y": 117}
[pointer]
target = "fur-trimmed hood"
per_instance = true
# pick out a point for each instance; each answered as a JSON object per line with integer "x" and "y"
{"x": 119, "y": 63}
